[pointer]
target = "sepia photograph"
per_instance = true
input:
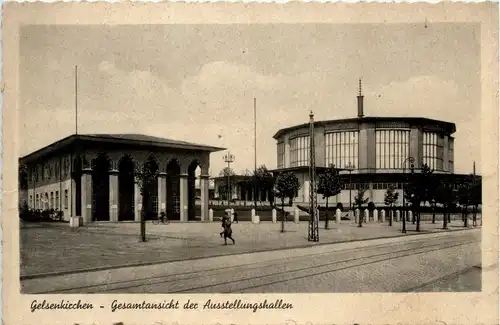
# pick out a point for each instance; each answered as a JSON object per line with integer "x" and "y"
{"x": 331, "y": 158}
{"x": 247, "y": 164}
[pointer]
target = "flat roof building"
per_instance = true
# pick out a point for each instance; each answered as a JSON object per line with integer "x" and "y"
{"x": 370, "y": 152}
{"x": 93, "y": 176}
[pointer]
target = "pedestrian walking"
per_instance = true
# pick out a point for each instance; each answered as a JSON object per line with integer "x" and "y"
{"x": 223, "y": 225}
{"x": 235, "y": 217}
{"x": 228, "y": 232}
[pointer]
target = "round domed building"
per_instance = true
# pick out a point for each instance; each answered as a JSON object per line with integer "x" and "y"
{"x": 370, "y": 153}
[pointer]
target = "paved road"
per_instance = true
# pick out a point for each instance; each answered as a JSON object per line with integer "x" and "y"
{"x": 434, "y": 262}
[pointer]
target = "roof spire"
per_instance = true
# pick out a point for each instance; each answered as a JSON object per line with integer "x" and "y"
{"x": 360, "y": 101}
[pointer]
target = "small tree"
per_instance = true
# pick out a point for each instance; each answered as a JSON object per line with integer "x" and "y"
{"x": 476, "y": 198}
{"x": 447, "y": 196}
{"x": 146, "y": 178}
{"x": 359, "y": 201}
{"x": 329, "y": 184}
{"x": 263, "y": 180}
{"x": 390, "y": 198}
{"x": 287, "y": 184}
{"x": 23, "y": 177}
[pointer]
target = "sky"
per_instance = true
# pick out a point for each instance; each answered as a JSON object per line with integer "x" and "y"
{"x": 197, "y": 82}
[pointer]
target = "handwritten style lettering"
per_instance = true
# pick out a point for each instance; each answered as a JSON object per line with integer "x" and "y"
{"x": 238, "y": 304}
{"x": 172, "y": 304}
{"x": 63, "y": 304}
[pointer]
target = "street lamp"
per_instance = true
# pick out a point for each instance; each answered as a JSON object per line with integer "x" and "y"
{"x": 350, "y": 167}
{"x": 412, "y": 165}
{"x": 228, "y": 158}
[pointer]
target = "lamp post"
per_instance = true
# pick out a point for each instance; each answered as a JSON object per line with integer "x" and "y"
{"x": 350, "y": 167}
{"x": 228, "y": 158}
{"x": 412, "y": 162}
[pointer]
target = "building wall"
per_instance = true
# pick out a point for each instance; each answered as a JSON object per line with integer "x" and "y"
{"x": 367, "y": 155}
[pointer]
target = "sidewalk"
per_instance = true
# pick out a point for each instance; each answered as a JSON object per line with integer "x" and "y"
{"x": 53, "y": 248}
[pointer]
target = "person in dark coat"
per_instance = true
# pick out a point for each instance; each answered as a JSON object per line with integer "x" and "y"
{"x": 228, "y": 232}
{"x": 235, "y": 217}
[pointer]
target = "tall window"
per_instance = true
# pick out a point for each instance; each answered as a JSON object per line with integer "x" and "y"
{"x": 281, "y": 155}
{"x": 299, "y": 151}
{"x": 66, "y": 199}
{"x": 31, "y": 201}
{"x": 433, "y": 150}
{"x": 37, "y": 202}
{"x": 57, "y": 200}
{"x": 342, "y": 149}
{"x": 450, "y": 154}
{"x": 392, "y": 148}
{"x": 51, "y": 206}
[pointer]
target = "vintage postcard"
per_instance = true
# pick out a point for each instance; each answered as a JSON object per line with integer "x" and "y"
{"x": 217, "y": 163}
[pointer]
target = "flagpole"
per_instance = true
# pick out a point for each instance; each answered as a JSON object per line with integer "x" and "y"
{"x": 76, "y": 99}
{"x": 255, "y": 150}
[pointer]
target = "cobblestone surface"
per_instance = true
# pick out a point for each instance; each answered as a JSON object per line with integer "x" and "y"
{"x": 54, "y": 247}
{"x": 432, "y": 262}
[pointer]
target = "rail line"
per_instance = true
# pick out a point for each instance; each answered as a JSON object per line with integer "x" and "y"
{"x": 366, "y": 253}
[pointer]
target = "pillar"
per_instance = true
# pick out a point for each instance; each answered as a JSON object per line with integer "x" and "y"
{"x": 73, "y": 200}
{"x": 183, "y": 179}
{"x": 357, "y": 213}
{"x": 204, "y": 184}
{"x": 375, "y": 216}
{"x": 210, "y": 215}
{"x": 113, "y": 195}
{"x": 398, "y": 214}
{"x": 87, "y": 195}
{"x": 382, "y": 215}
{"x": 275, "y": 219}
{"x": 162, "y": 193}
{"x": 338, "y": 216}
{"x": 296, "y": 215}
{"x": 137, "y": 202}
{"x": 366, "y": 216}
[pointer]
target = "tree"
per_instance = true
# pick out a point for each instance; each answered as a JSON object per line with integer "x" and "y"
{"x": 287, "y": 184}
{"x": 23, "y": 177}
{"x": 359, "y": 201}
{"x": 329, "y": 184}
{"x": 464, "y": 195}
{"x": 226, "y": 171}
{"x": 419, "y": 190}
{"x": 447, "y": 196}
{"x": 263, "y": 180}
{"x": 390, "y": 198}
{"x": 146, "y": 177}
{"x": 476, "y": 198}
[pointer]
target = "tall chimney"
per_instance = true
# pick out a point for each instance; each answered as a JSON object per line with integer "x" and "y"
{"x": 360, "y": 101}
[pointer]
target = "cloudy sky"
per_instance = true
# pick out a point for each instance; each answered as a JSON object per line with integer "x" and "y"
{"x": 197, "y": 82}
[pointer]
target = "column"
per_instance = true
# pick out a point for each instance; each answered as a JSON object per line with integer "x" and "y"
{"x": 73, "y": 199}
{"x": 113, "y": 195}
{"x": 137, "y": 202}
{"x": 162, "y": 192}
{"x": 87, "y": 195}
{"x": 183, "y": 179}
{"x": 415, "y": 147}
{"x": 204, "y": 197}
{"x": 286, "y": 162}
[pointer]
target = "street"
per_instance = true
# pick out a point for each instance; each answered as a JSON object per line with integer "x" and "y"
{"x": 431, "y": 262}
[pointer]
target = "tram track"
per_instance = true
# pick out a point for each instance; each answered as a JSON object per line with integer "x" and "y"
{"x": 253, "y": 275}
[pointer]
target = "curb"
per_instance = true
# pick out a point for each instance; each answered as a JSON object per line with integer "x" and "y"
{"x": 111, "y": 267}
